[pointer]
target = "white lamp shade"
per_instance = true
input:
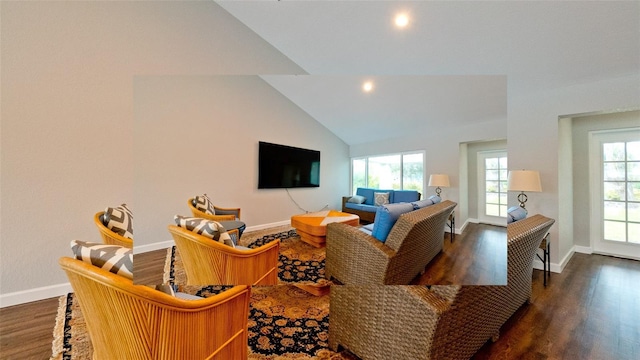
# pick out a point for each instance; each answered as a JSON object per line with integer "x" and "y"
{"x": 524, "y": 180}
{"x": 441, "y": 180}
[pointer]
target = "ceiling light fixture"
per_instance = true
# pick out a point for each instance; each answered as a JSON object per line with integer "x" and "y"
{"x": 367, "y": 86}
{"x": 401, "y": 20}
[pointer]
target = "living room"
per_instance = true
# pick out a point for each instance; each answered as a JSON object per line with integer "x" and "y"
{"x": 141, "y": 105}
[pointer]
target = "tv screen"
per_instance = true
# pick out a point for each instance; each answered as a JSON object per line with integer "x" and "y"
{"x": 281, "y": 166}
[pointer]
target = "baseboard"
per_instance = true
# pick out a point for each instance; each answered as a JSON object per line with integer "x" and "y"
{"x": 46, "y": 292}
{"x": 559, "y": 267}
{"x": 555, "y": 268}
{"x": 139, "y": 249}
{"x": 464, "y": 226}
{"x": 41, "y": 293}
{"x": 583, "y": 249}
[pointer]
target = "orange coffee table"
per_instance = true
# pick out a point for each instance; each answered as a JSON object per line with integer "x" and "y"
{"x": 312, "y": 227}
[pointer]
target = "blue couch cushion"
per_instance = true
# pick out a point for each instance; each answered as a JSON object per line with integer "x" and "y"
{"x": 405, "y": 196}
{"x": 367, "y": 193}
{"x": 361, "y": 207}
{"x": 386, "y": 217}
{"x": 516, "y": 213}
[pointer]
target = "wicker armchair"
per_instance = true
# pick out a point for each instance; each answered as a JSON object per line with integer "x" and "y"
{"x": 127, "y": 321}
{"x": 440, "y": 322}
{"x": 108, "y": 236}
{"x": 222, "y": 214}
{"x": 356, "y": 258}
{"x": 209, "y": 262}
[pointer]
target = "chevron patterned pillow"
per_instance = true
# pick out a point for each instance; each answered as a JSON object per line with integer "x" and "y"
{"x": 208, "y": 228}
{"x": 119, "y": 220}
{"x": 113, "y": 258}
{"x": 204, "y": 204}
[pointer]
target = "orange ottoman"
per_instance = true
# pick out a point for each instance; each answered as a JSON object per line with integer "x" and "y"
{"x": 312, "y": 227}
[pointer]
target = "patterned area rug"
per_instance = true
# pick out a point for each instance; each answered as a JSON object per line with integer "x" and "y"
{"x": 298, "y": 263}
{"x": 284, "y": 323}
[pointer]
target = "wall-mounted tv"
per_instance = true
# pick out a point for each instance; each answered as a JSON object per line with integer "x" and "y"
{"x": 281, "y": 166}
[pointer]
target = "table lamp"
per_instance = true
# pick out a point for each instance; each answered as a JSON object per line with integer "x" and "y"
{"x": 439, "y": 180}
{"x": 523, "y": 180}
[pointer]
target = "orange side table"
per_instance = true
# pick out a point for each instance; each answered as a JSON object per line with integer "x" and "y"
{"x": 312, "y": 227}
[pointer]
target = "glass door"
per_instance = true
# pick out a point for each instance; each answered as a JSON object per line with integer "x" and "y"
{"x": 615, "y": 192}
{"x": 492, "y": 187}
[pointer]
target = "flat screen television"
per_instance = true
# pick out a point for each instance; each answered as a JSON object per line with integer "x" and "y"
{"x": 281, "y": 166}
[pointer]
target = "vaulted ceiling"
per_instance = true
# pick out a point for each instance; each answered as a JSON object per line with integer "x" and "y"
{"x": 454, "y": 63}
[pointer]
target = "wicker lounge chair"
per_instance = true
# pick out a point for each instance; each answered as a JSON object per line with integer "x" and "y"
{"x": 210, "y": 262}
{"x": 222, "y": 214}
{"x": 108, "y": 236}
{"x": 356, "y": 258}
{"x": 440, "y": 322}
{"x": 127, "y": 321}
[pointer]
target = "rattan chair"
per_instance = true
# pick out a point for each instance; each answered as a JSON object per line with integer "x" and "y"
{"x": 440, "y": 322}
{"x": 127, "y": 321}
{"x": 222, "y": 214}
{"x": 208, "y": 261}
{"x": 356, "y": 258}
{"x": 108, "y": 236}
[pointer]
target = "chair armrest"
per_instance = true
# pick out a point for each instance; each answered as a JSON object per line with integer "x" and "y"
{"x": 355, "y": 258}
{"x": 401, "y": 320}
{"x": 227, "y": 211}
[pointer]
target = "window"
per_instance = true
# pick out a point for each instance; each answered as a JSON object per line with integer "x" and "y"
{"x": 394, "y": 171}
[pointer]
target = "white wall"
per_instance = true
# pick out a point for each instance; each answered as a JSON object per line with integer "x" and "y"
{"x": 533, "y": 138}
{"x": 67, "y": 115}
{"x": 200, "y": 134}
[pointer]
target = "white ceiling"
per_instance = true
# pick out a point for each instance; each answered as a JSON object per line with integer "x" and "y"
{"x": 515, "y": 45}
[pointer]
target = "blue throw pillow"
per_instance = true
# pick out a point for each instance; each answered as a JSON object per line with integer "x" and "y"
{"x": 516, "y": 213}
{"x": 386, "y": 217}
{"x": 435, "y": 199}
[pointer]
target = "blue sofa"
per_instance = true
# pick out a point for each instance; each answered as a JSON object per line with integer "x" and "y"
{"x": 363, "y": 202}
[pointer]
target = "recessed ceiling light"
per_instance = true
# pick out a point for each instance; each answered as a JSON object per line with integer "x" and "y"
{"x": 367, "y": 86}
{"x": 401, "y": 20}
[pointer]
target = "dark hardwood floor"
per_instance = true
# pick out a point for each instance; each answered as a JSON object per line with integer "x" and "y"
{"x": 476, "y": 257}
{"x": 589, "y": 311}
{"x": 148, "y": 268}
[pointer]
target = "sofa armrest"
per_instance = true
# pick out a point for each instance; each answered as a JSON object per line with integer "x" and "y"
{"x": 344, "y": 202}
{"x": 401, "y": 321}
{"x": 355, "y": 258}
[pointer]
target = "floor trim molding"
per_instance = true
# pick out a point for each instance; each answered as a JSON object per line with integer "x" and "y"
{"x": 41, "y": 293}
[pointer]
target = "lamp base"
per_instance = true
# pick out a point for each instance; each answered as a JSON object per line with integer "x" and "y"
{"x": 522, "y": 198}
{"x": 438, "y": 191}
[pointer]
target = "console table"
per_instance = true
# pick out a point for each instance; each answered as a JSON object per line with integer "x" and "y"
{"x": 546, "y": 258}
